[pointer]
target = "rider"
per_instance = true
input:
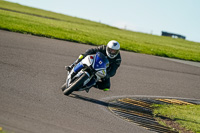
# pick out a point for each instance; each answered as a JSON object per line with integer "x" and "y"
{"x": 113, "y": 54}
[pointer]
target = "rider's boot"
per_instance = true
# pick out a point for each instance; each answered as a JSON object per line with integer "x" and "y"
{"x": 98, "y": 85}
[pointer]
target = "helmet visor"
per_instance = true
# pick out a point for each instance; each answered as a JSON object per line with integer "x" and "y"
{"x": 112, "y": 52}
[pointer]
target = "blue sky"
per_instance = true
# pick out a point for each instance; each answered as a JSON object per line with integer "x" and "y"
{"x": 148, "y": 16}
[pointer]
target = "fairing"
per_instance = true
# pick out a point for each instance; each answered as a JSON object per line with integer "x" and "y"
{"x": 101, "y": 62}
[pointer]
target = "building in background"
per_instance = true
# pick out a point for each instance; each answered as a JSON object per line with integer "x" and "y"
{"x": 173, "y": 35}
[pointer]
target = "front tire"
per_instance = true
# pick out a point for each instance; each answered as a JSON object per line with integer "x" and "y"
{"x": 76, "y": 84}
{"x": 64, "y": 86}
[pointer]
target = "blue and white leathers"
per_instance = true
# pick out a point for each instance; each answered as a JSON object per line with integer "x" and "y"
{"x": 94, "y": 66}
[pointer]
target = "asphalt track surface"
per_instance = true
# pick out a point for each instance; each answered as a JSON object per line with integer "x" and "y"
{"x": 32, "y": 71}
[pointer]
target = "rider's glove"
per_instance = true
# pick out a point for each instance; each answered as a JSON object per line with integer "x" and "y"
{"x": 80, "y": 57}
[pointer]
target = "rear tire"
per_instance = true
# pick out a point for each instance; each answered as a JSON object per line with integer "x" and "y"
{"x": 76, "y": 84}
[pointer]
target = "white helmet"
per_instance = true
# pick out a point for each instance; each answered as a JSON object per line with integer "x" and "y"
{"x": 112, "y": 49}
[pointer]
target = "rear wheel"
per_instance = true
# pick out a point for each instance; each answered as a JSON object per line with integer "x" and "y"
{"x": 76, "y": 84}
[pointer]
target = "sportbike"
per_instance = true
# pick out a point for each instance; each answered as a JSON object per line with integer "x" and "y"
{"x": 86, "y": 73}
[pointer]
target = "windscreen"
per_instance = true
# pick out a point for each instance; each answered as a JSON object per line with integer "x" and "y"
{"x": 101, "y": 61}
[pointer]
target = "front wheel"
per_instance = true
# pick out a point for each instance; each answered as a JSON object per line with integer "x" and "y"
{"x": 63, "y": 87}
{"x": 76, "y": 84}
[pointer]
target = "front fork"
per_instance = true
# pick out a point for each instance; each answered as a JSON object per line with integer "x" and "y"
{"x": 78, "y": 67}
{"x": 76, "y": 71}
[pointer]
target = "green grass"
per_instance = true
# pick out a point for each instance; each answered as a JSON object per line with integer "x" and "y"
{"x": 32, "y": 21}
{"x": 1, "y": 130}
{"x": 187, "y": 116}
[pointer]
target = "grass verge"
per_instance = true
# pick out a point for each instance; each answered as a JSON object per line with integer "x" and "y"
{"x": 180, "y": 117}
{"x": 1, "y": 130}
{"x": 18, "y": 18}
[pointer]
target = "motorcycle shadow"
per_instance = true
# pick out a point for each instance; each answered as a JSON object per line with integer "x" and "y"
{"x": 91, "y": 100}
{"x": 110, "y": 104}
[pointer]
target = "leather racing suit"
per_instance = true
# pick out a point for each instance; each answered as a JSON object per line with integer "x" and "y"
{"x": 111, "y": 70}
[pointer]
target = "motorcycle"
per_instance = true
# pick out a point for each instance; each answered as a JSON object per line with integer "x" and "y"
{"x": 86, "y": 73}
